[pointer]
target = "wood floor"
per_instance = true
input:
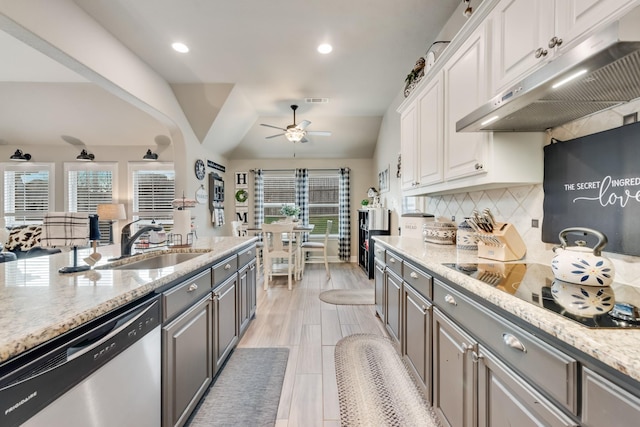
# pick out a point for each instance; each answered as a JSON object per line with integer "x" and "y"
{"x": 310, "y": 328}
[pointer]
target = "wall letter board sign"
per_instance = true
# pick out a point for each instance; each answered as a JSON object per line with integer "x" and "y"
{"x": 594, "y": 182}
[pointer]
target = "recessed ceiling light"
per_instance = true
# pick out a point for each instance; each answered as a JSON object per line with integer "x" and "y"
{"x": 325, "y": 48}
{"x": 180, "y": 47}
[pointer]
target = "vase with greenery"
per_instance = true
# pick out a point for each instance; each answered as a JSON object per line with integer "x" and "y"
{"x": 291, "y": 211}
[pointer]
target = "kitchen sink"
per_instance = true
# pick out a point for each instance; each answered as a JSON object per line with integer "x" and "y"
{"x": 151, "y": 261}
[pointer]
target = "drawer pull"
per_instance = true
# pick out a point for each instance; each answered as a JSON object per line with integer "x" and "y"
{"x": 248, "y": 252}
{"x": 228, "y": 266}
{"x": 413, "y": 275}
{"x": 513, "y": 342}
{"x": 392, "y": 260}
{"x": 192, "y": 287}
{"x": 451, "y": 300}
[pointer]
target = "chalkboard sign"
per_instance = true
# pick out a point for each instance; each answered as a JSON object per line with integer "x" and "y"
{"x": 594, "y": 182}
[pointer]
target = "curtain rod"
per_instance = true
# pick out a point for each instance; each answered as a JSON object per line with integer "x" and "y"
{"x": 293, "y": 170}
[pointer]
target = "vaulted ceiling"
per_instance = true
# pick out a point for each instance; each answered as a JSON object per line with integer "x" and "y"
{"x": 249, "y": 60}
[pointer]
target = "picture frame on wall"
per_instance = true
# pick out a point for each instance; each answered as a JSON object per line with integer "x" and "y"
{"x": 383, "y": 180}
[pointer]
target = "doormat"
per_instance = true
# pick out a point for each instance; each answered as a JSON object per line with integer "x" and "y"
{"x": 349, "y": 296}
{"x": 247, "y": 391}
{"x": 374, "y": 386}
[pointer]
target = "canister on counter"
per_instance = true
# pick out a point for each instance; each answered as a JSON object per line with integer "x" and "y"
{"x": 466, "y": 239}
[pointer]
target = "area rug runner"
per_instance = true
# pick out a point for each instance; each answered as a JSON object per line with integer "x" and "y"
{"x": 374, "y": 386}
{"x": 247, "y": 391}
{"x": 349, "y": 296}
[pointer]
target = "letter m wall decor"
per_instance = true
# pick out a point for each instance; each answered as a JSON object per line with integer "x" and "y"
{"x": 594, "y": 182}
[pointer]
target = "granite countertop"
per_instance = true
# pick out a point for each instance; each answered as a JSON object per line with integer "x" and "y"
{"x": 38, "y": 303}
{"x": 617, "y": 348}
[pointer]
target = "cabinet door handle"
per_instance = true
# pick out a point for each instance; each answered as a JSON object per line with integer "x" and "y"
{"x": 475, "y": 357}
{"x": 413, "y": 275}
{"x": 228, "y": 266}
{"x": 540, "y": 52}
{"x": 425, "y": 309}
{"x": 451, "y": 300}
{"x": 478, "y": 166}
{"x": 192, "y": 287}
{"x": 555, "y": 41}
{"x": 513, "y": 342}
{"x": 249, "y": 252}
{"x": 392, "y": 260}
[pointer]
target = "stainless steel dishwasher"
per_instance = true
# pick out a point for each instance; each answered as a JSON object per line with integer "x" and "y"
{"x": 107, "y": 373}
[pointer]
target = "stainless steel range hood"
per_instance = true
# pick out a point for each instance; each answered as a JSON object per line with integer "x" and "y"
{"x": 607, "y": 70}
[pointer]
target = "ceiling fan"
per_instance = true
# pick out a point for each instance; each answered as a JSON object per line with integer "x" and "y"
{"x": 296, "y": 132}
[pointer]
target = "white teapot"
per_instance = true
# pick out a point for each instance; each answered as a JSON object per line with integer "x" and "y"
{"x": 581, "y": 264}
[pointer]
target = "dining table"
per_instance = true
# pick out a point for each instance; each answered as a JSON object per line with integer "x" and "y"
{"x": 298, "y": 229}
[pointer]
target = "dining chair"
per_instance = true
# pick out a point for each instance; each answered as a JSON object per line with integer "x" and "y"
{"x": 275, "y": 249}
{"x": 316, "y": 247}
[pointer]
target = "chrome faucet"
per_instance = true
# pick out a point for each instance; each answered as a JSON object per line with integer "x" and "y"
{"x": 127, "y": 240}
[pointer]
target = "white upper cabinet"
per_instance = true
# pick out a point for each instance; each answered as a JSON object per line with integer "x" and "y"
{"x": 465, "y": 76}
{"x": 409, "y": 146}
{"x": 526, "y": 34}
{"x": 421, "y": 138}
{"x": 521, "y": 31}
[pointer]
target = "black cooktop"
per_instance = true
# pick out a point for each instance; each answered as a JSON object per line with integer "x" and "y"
{"x": 614, "y": 306}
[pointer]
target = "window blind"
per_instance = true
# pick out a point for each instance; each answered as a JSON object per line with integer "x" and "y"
{"x": 86, "y": 189}
{"x": 153, "y": 192}
{"x": 26, "y": 195}
{"x": 278, "y": 190}
{"x": 324, "y": 201}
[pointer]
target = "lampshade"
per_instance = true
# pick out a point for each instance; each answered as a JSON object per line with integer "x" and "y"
{"x": 85, "y": 157}
{"x": 295, "y": 135}
{"x": 19, "y": 156}
{"x": 112, "y": 212}
{"x": 150, "y": 156}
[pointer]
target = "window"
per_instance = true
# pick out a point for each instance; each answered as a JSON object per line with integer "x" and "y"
{"x": 153, "y": 190}
{"x": 88, "y": 185}
{"x": 323, "y": 200}
{"x": 279, "y": 189}
{"x": 28, "y": 192}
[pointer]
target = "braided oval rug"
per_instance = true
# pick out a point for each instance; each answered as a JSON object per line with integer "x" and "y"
{"x": 374, "y": 386}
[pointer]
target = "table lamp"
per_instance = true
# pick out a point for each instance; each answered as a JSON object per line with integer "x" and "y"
{"x": 111, "y": 212}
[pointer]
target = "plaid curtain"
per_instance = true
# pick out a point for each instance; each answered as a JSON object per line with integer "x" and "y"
{"x": 302, "y": 197}
{"x": 258, "y": 189}
{"x": 344, "y": 216}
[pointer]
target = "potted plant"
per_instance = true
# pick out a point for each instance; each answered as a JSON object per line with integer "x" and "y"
{"x": 291, "y": 211}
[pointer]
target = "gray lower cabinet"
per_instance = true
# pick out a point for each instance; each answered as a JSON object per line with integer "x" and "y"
{"x": 605, "y": 403}
{"x": 225, "y": 320}
{"x": 393, "y": 304}
{"x": 246, "y": 295}
{"x": 416, "y": 335}
{"x": 379, "y": 283}
{"x": 454, "y": 373}
{"x": 506, "y": 399}
{"x": 187, "y": 367}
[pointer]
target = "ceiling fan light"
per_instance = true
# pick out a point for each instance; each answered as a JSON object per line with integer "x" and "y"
{"x": 85, "y": 157}
{"x": 19, "y": 156}
{"x": 295, "y": 135}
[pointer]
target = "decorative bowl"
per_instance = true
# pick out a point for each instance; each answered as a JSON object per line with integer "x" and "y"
{"x": 442, "y": 233}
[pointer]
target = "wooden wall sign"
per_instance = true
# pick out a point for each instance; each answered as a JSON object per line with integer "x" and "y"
{"x": 594, "y": 182}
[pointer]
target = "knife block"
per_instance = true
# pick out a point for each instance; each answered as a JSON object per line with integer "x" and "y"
{"x": 503, "y": 244}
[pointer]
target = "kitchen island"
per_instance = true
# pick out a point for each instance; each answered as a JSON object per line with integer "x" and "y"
{"x": 39, "y": 304}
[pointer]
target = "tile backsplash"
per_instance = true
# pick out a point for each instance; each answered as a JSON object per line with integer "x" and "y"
{"x": 520, "y": 205}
